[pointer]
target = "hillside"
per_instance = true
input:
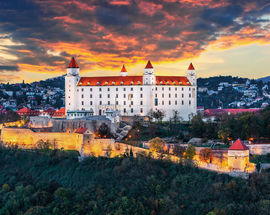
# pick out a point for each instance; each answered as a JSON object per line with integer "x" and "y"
{"x": 55, "y": 183}
{"x": 264, "y": 79}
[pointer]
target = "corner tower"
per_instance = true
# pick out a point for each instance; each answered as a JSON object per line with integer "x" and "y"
{"x": 71, "y": 80}
{"x": 191, "y": 75}
{"x": 123, "y": 71}
{"x": 149, "y": 77}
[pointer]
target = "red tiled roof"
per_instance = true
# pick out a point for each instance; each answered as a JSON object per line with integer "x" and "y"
{"x": 191, "y": 67}
{"x": 24, "y": 110}
{"x": 131, "y": 80}
{"x": 238, "y": 145}
{"x": 81, "y": 130}
{"x": 214, "y": 112}
{"x": 149, "y": 65}
{"x": 60, "y": 112}
{"x": 123, "y": 69}
{"x": 73, "y": 63}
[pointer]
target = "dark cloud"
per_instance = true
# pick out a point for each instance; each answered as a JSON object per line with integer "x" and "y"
{"x": 9, "y": 68}
{"x": 153, "y": 29}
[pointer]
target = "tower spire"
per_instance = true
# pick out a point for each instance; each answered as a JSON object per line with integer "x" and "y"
{"x": 73, "y": 63}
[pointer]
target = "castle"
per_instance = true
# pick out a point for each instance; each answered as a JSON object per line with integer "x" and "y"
{"x": 130, "y": 95}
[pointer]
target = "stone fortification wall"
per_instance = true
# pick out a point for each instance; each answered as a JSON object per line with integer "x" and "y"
{"x": 259, "y": 149}
{"x": 26, "y": 138}
{"x": 67, "y": 125}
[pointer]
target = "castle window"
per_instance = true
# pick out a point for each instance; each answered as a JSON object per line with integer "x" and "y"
{"x": 156, "y": 102}
{"x": 125, "y": 110}
{"x": 141, "y": 110}
{"x": 141, "y": 88}
{"x": 131, "y": 110}
{"x": 108, "y": 89}
{"x": 77, "y": 90}
{"x": 175, "y": 95}
{"x": 113, "y": 83}
{"x": 190, "y": 95}
{"x": 141, "y": 102}
{"x": 169, "y": 102}
{"x": 156, "y": 88}
{"x": 141, "y": 95}
{"x": 131, "y": 89}
{"x": 124, "y": 89}
{"x": 156, "y": 95}
{"x": 182, "y": 88}
{"x": 182, "y": 102}
{"x": 162, "y": 88}
{"x": 124, "y": 95}
{"x": 189, "y": 89}
{"x": 82, "y": 103}
{"x": 91, "y": 96}
{"x": 162, "y": 95}
{"x": 116, "y": 96}
{"x": 175, "y": 102}
{"x": 176, "y": 89}
{"x": 82, "y": 96}
{"x": 108, "y": 95}
{"x": 131, "y": 103}
{"x": 131, "y": 95}
{"x": 116, "y": 102}
{"x": 182, "y": 95}
{"x": 189, "y": 102}
{"x": 82, "y": 89}
{"x": 124, "y": 102}
{"x": 169, "y": 95}
{"x": 162, "y": 102}
{"x": 91, "y": 103}
{"x": 109, "y": 102}
{"x": 100, "y": 102}
{"x": 90, "y": 89}
{"x": 169, "y": 89}
{"x": 121, "y": 82}
{"x": 100, "y": 89}
{"x": 116, "y": 89}
{"x": 100, "y": 95}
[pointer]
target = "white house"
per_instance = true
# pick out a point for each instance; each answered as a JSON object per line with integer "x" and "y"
{"x": 130, "y": 95}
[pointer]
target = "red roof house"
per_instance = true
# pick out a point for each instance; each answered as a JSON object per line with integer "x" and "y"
{"x": 27, "y": 112}
{"x": 81, "y": 130}
{"x": 61, "y": 113}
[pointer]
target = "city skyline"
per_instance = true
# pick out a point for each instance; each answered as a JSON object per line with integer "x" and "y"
{"x": 38, "y": 38}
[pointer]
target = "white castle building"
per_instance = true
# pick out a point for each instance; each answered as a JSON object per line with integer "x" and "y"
{"x": 130, "y": 95}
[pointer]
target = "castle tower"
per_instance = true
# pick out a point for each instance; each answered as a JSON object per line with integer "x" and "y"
{"x": 123, "y": 71}
{"x": 238, "y": 156}
{"x": 191, "y": 75}
{"x": 71, "y": 80}
{"x": 149, "y": 77}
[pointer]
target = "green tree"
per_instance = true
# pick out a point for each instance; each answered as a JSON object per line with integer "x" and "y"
{"x": 190, "y": 152}
{"x": 157, "y": 145}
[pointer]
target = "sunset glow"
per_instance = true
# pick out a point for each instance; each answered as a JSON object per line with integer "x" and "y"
{"x": 39, "y": 37}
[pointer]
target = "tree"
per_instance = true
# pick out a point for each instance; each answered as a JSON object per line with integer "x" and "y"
{"x": 206, "y": 155}
{"x": 104, "y": 130}
{"x": 156, "y": 145}
{"x": 158, "y": 115}
{"x": 190, "y": 152}
{"x": 197, "y": 126}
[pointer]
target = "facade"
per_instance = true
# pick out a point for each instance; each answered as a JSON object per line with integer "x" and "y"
{"x": 130, "y": 95}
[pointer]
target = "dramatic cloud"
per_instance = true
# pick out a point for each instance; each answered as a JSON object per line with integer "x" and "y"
{"x": 41, "y": 35}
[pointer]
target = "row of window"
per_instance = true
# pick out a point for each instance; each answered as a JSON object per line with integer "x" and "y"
{"x": 131, "y": 89}
{"x": 131, "y": 95}
{"x": 141, "y": 103}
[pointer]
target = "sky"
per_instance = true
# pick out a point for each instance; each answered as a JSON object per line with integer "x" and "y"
{"x": 226, "y": 37}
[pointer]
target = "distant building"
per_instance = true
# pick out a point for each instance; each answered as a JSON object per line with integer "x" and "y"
{"x": 130, "y": 95}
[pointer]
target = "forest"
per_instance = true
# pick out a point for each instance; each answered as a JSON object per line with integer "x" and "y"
{"x": 54, "y": 182}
